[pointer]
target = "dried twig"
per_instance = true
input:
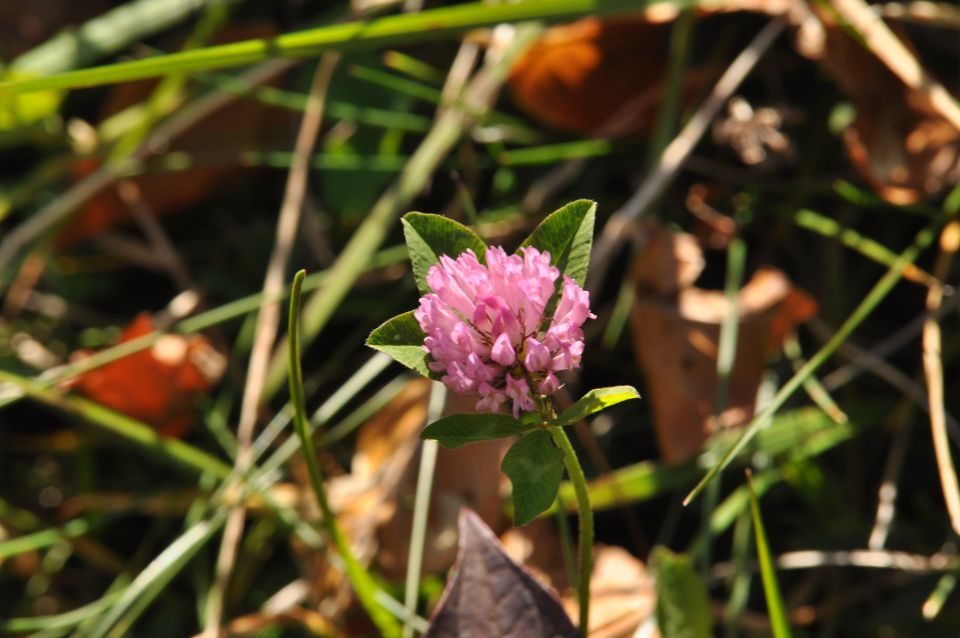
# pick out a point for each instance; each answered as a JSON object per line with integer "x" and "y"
{"x": 268, "y": 322}
{"x": 887, "y": 494}
{"x": 172, "y": 261}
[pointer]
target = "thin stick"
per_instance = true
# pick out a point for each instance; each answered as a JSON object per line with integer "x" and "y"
{"x": 676, "y": 153}
{"x": 933, "y": 370}
{"x": 887, "y": 494}
{"x": 268, "y": 320}
{"x": 847, "y": 373}
{"x": 173, "y": 262}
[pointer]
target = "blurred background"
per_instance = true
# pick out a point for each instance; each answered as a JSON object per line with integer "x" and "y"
{"x": 775, "y": 181}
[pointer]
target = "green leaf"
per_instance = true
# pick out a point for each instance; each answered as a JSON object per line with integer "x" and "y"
{"x": 568, "y": 235}
{"x": 535, "y": 467}
{"x": 402, "y": 338}
{"x": 429, "y": 236}
{"x": 594, "y": 401}
{"x": 459, "y": 429}
{"x": 683, "y": 607}
{"x": 768, "y": 572}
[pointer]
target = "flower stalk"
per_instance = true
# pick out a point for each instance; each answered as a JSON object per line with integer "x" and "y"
{"x": 585, "y": 512}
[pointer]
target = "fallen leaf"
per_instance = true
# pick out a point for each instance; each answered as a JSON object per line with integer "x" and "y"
{"x": 906, "y": 150}
{"x": 597, "y": 77}
{"x": 481, "y": 488}
{"x": 668, "y": 261}
{"x": 158, "y": 385}
{"x": 488, "y": 594}
{"x": 622, "y": 594}
{"x": 676, "y": 338}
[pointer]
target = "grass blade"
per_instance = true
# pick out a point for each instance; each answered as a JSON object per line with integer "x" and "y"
{"x": 768, "y": 573}
{"x": 352, "y": 36}
{"x": 361, "y": 580}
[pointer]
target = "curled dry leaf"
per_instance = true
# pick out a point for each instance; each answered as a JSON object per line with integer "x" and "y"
{"x": 676, "y": 337}
{"x": 216, "y": 143}
{"x": 667, "y": 262}
{"x": 906, "y": 150}
{"x": 158, "y": 385}
{"x": 488, "y": 594}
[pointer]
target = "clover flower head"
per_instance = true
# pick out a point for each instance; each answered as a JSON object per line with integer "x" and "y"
{"x": 487, "y": 330}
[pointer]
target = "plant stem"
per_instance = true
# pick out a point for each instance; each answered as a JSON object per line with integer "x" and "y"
{"x": 363, "y": 583}
{"x": 579, "y": 481}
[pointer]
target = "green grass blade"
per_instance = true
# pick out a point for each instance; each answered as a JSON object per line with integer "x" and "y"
{"x": 58, "y": 621}
{"x": 43, "y": 538}
{"x": 873, "y": 298}
{"x": 850, "y": 238}
{"x": 768, "y": 571}
{"x": 361, "y": 580}
{"x": 391, "y": 30}
{"x": 683, "y": 605}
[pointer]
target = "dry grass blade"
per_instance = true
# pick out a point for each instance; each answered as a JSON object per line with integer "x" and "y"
{"x": 933, "y": 369}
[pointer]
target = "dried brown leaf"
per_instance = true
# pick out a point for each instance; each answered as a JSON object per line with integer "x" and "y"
{"x": 597, "y": 77}
{"x": 676, "y": 338}
{"x": 158, "y": 385}
{"x": 906, "y": 150}
{"x": 490, "y": 595}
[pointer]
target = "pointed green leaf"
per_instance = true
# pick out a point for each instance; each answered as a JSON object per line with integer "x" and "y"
{"x": 683, "y": 606}
{"x": 459, "y": 429}
{"x": 535, "y": 467}
{"x": 594, "y": 401}
{"x": 768, "y": 571}
{"x": 429, "y": 236}
{"x": 568, "y": 235}
{"x": 402, "y": 338}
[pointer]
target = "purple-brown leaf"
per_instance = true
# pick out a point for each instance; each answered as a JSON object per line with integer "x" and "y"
{"x": 490, "y": 595}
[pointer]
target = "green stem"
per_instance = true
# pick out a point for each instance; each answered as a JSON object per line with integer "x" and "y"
{"x": 586, "y": 524}
{"x": 435, "y": 24}
{"x": 362, "y": 582}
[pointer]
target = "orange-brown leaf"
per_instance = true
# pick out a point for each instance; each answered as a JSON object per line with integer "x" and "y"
{"x": 158, "y": 385}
